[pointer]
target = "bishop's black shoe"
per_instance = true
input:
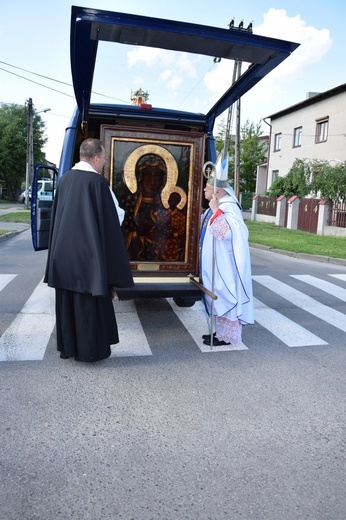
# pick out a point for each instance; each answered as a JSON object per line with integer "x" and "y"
{"x": 207, "y": 336}
{"x": 216, "y": 342}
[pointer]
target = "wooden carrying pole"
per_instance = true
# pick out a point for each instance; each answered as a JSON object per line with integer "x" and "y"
{"x": 200, "y": 286}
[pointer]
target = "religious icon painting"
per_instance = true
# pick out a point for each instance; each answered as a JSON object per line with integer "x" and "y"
{"x": 157, "y": 178}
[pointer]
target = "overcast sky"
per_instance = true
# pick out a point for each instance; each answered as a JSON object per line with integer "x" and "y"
{"x": 35, "y": 42}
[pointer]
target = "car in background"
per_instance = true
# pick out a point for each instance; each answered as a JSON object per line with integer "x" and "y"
{"x": 21, "y": 198}
{"x": 44, "y": 191}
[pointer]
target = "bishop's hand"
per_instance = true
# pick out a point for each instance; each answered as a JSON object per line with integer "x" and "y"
{"x": 214, "y": 203}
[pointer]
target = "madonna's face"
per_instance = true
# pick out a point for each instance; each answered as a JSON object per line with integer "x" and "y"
{"x": 152, "y": 182}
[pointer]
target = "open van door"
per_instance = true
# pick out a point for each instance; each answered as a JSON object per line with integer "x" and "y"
{"x": 41, "y": 207}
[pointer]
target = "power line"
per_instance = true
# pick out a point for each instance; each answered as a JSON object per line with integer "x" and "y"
{"x": 51, "y": 79}
{"x": 195, "y": 86}
{"x": 34, "y": 73}
{"x": 36, "y": 83}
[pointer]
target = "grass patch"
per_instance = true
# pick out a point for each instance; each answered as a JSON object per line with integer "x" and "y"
{"x": 19, "y": 216}
{"x": 268, "y": 234}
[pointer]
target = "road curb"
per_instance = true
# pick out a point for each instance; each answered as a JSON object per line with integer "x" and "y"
{"x": 11, "y": 234}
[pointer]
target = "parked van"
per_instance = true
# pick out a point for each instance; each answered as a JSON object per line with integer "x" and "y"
{"x": 154, "y": 156}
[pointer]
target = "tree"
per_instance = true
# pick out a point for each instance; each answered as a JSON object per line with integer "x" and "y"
{"x": 317, "y": 177}
{"x": 329, "y": 181}
{"x": 252, "y": 152}
{"x": 13, "y": 146}
{"x": 296, "y": 182}
{"x": 277, "y": 188}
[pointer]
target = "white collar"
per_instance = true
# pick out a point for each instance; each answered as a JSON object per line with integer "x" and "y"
{"x": 83, "y": 165}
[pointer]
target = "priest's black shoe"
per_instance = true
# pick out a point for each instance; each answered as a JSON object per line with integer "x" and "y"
{"x": 216, "y": 342}
{"x": 207, "y": 336}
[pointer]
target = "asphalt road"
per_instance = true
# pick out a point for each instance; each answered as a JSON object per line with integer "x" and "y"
{"x": 163, "y": 429}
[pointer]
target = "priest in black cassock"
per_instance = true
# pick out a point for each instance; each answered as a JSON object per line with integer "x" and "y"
{"x": 86, "y": 258}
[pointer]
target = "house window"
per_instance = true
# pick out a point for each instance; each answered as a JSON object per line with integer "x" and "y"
{"x": 321, "y": 130}
{"x": 277, "y": 142}
{"x": 297, "y": 136}
{"x": 275, "y": 175}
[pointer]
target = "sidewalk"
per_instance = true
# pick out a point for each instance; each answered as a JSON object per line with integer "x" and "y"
{"x": 11, "y": 207}
{"x": 12, "y": 228}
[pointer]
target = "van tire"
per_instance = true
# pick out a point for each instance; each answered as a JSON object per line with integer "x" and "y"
{"x": 184, "y": 302}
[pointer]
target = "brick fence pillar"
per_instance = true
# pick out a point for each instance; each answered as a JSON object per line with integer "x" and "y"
{"x": 280, "y": 211}
{"x": 254, "y": 207}
{"x": 323, "y": 216}
{"x": 293, "y": 208}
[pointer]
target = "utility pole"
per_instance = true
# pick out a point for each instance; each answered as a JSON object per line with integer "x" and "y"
{"x": 29, "y": 151}
{"x": 30, "y": 148}
{"x": 230, "y": 114}
{"x": 237, "y": 142}
{"x": 236, "y": 76}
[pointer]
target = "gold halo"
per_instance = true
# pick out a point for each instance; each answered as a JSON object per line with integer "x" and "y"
{"x": 174, "y": 189}
{"x": 171, "y": 167}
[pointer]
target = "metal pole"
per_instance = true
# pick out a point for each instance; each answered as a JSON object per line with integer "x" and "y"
{"x": 29, "y": 152}
{"x": 237, "y": 141}
{"x": 209, "y": 169}
{"x": 30, "y": 148}
{"x": 212, "y": 280}
{"x": 237, "y": 154}
{"x": 230, "y": 115}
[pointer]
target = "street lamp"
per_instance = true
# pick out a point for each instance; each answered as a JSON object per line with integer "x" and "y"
{"x": 30, "y": 148}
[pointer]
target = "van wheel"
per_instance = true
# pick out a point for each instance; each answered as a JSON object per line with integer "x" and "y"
{"x": 184, "y": 302}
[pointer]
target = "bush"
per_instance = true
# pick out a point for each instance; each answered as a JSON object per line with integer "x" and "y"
{"x": 296, "y": 182}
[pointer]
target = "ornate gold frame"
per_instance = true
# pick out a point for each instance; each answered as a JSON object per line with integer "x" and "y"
{"x": 183, "y": 156}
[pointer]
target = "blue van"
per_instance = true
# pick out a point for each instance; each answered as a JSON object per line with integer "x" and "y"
{"x": 161, "y": 227}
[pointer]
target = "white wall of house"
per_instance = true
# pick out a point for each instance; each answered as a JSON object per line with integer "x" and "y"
{"x": 329, "y": 106}
{"x": 261, "y": 179}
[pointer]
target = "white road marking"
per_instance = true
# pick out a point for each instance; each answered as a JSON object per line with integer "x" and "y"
{"x": 323, "y": 312}
{"x": 132, "y": 339}
{"x": 327, "y": 287}
{"x": 6, "y": 279}
{"x": 286, "y": 330}
{"x": 339, "y": 276}
{"x": 27, "y": 337}
{"x": 195, "y": 321}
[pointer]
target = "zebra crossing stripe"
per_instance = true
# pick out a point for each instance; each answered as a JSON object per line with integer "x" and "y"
{"x": 6, "y": 279}
{"x": 327, "y": 287}
{"x": 195, "y": 321}
{"x": 27, "y": 337}
{"x": 323, "y": 312}
{"x": 339, "y": 276}
{"x": 132, "y": 339}
{"x": 286, "y": 330}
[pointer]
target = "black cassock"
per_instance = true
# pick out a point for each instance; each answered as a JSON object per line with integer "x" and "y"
{"x": 86, "y": 257}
